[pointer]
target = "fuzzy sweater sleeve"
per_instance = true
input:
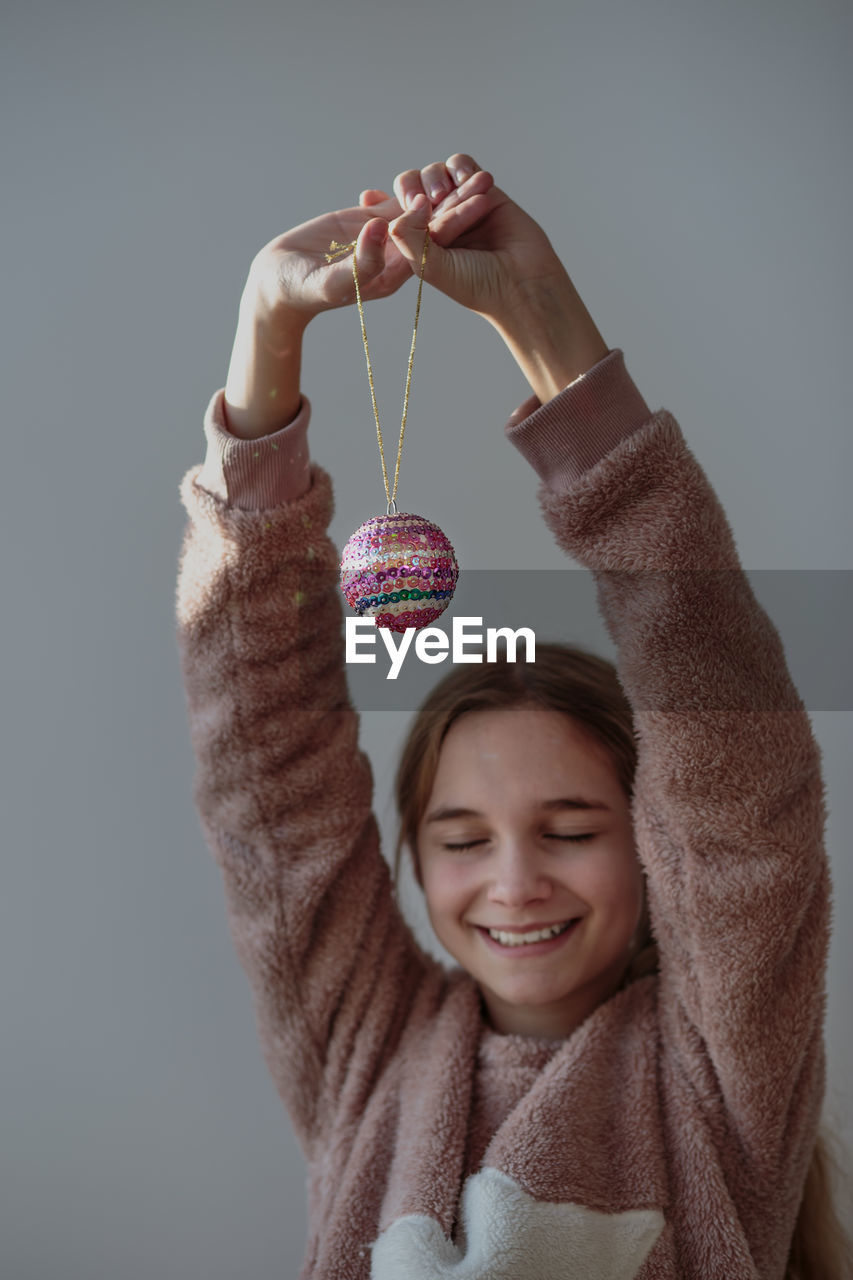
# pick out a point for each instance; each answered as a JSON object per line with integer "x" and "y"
{"x": 729, "y": 799}
{"x": 283, "y": 791}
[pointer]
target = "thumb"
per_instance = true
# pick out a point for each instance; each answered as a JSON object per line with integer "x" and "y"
{"x": 370, "y": 250}
{"x": 408, "y": 232}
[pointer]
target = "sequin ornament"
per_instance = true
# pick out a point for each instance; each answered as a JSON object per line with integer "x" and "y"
{"x": 399, "y": 568}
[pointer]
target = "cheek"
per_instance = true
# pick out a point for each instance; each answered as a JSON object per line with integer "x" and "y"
{"x": 612, "y": 881}
{"x": 448, "y": 888}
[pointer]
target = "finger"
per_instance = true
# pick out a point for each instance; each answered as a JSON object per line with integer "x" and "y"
{"x": 461, "y": 166}
{"x": 448, "y": 225}
{"x": 388, "y": 207}
{"x": 408, "y": 232}
{"x": 373, "y": 196}
{"x": 477, "y": 184}
{"x": 370, "y": 250}
{"x": 436, "y": 182}
{"x": 408, "y": 186}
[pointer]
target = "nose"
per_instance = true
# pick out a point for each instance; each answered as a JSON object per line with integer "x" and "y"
{"x": 518, "y": 877}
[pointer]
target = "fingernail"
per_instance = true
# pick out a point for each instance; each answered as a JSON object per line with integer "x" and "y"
{"x": 436, "y": 193}
{"x": 411, "y": 198}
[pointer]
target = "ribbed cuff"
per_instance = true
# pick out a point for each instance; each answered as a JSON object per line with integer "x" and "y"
{"x": 582, "y": 424}
{"x": 255, "y": 475}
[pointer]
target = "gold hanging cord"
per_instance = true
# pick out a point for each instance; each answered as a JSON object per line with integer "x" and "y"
{"x": 338, "y": 250}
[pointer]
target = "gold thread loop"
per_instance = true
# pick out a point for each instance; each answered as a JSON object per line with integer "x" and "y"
{"x": 337, "y": 251}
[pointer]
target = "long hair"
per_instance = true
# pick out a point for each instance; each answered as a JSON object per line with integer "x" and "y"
{"x": 586, "y": 687}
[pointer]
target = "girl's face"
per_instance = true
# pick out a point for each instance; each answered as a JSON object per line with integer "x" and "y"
{"x": 528, "y": 827}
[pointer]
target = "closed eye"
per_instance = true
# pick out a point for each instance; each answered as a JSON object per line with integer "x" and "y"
{"x": 589, "y": 835}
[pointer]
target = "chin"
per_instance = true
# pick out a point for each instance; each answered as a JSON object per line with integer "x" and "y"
{"x": 532, "y": 994}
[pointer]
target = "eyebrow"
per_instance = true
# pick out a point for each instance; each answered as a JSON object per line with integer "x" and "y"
{"x": 447, "y": 812}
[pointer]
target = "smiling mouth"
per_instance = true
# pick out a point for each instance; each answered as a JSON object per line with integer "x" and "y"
{"x": 515, "y": 938}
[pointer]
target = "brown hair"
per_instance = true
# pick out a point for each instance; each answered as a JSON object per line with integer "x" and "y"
{"x": 586, "y": 687}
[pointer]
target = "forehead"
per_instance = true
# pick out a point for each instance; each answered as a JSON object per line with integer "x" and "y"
{"x": 520, "y": 749}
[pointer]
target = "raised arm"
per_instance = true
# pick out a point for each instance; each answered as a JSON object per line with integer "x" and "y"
{"x": 283, "y": 791}
{"x": 728, "y": 803}
{"x": 729, "y": 800}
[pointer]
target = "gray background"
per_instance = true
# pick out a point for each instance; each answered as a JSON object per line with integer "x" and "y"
{"x": 690, "y": 163}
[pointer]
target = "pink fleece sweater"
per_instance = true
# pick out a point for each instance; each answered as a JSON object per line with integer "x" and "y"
{"x": 669, "y": 1135}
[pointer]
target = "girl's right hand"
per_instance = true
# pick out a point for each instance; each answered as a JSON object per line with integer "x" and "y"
{"x": 290, "y": 280}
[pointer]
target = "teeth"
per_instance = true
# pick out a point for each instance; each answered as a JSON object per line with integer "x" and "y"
{"x": 519, "y": 939}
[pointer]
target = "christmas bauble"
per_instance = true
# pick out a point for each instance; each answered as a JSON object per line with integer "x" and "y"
{"x": 400, "y": 569}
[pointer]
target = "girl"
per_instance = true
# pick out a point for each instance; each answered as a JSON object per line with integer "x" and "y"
{"x": 572, "y": 1099}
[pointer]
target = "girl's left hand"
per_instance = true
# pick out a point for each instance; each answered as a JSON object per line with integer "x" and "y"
{"x": 486, "y": 253}
{"x": 489, "y": 255}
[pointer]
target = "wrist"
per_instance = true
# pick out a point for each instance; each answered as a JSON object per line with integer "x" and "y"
{"x": 279, "y": 320}
{"x": 551, "y": 336}
{"x": 262, "y": 390}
